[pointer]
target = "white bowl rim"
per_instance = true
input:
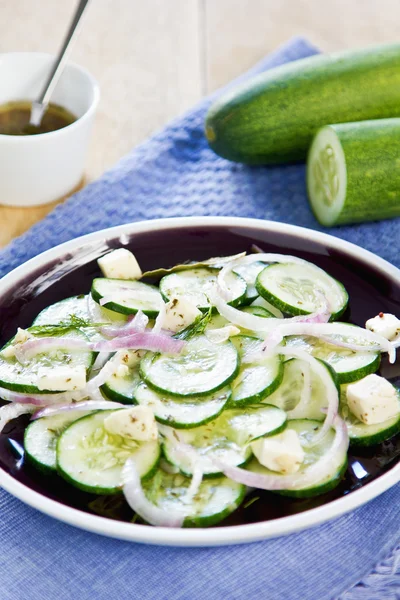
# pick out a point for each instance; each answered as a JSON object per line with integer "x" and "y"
{"x": 13, "y": 139}
{"x": 217, "y": 536}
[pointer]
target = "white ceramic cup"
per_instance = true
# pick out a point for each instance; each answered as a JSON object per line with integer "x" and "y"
{"x": 37, "y": 169}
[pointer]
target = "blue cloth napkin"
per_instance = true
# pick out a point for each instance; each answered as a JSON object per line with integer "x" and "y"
{"x": 174, "y": 174}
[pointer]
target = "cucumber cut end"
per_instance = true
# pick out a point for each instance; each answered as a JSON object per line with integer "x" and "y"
{"x": 326, "y": 176}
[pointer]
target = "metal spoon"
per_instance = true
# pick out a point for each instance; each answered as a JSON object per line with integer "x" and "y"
{"x": 39, "y": 106}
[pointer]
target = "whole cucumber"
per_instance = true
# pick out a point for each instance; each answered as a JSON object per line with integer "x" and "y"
{"x": 272, "y": 118}
{"x": 353, "y": 172}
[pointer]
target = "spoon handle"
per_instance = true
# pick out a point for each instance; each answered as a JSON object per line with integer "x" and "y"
{"x": 53, "y": 77}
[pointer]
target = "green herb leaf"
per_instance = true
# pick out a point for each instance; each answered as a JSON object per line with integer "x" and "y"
{"x": 63, "y": 327}
{"x": 196, "y": 328}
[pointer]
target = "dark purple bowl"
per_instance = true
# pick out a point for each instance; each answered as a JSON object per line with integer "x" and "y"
{"x": 68, "y": 270}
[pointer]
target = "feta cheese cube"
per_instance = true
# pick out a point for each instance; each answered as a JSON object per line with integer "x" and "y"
{"x": 120, "y": 264}
{"x": 282, "y": 453}
{"x": 122, "y": 371}
{"x": 179, "y": 313}
{"x": 62, "y": 378}
{"x": 373, "y": 399}
{"x": 136, "y": 423}
{"x": 384, "y": 324}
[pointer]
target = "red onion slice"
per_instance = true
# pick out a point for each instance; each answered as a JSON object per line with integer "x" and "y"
{"x": 158, "y": 325}
{"x": 134, "y": 324}
{"x": 155, "y": 342}
{"x": 12, "y": 411}
{"x": 94, "y": 384}
{"x": 35, "y": 346}
{"x": 264, "y": 324}
{"x": 40, "y": 399}
{"x": 94, "y": 311}
{"x": 56, "y": 409}
{"x": 326, "y": 330}
{"x": 137, "y": 500}
{"x": 332, "y": 394}
{"x": 310, "y": 476}
{"x": 100, "y": 361}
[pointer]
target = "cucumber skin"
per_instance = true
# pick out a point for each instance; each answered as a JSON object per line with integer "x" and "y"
{"x": 372, "y": 440}
{"x": 372, "y": 150}
{"x": 359, "y": 373}
{"x": 111, "y": 394}
{"x": 272, "y": 118}
{"x": 318, "y": 490}
{"x": 261, "y": 396}
{"x": 200, "y": 521}
{"x": 294, "y": 310}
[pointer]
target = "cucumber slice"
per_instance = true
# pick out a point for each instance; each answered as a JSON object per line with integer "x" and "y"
{"x": 121, "y": 388}
{"x": 216, "y": 322}
{"x": 145, "y": 297}
{"x": 352, "y": 172}
{"x": 262, "y": 302}
{"x": 348, "y": 364}
{"x": 200, "y": 369}
{"x": 361, "y": 434}
{"x": 296, "y": 289}
{"x": 226, "y": 438}
{"x": 23, "y": 378}
{"x": 306, "y": 430}
{"x": 289, "y": 395}
{"x": 199, "y": 286}
{"x": 183, "y": 414}
{"x": 40, "y": 439}
{"x": 92, "y": 460}
{"x": 61, "y": 312}
{"x": 214, "y": 501}
{"x": 258, "y": 311}
{"x": 249, "y": 274}
{"x": 254, "y": 382}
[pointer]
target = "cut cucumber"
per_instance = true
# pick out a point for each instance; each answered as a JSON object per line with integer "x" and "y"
{"x": 306, "y": 429}
{"x": 352, "y": 172}
{"x": 40, "y": 439}
{"x": 249, "y": 274}
{"x": 214, "y": 501}
{"x": 199, "y": 287}
{"x": 92, "y": 459}
{"x": 226, "y": 438}
{"x": 297, "y": 288}
{"x": 201, "y": 368}
{"x": 63, "y": 310}
{"x": 361, "y": 434}
{"x": 273, "y": 116}
{"x": 216, "y": 322}
{"x": 349, "y": 365}
{"x": 258, "y": 311}
{"x": 254, "y": 382}
{"x": 76, "y": 306}
{"x": 262, "y": 303}
{"x": 292, "y": 397}
{"x": 183, "y": 414}
{"x": 121, "y": 388}
{"x": 144, "y": 297}
{"x": 24, "y": 378}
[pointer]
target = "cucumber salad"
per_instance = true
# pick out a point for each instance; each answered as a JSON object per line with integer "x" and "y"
{"x": 182, "y": 389}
